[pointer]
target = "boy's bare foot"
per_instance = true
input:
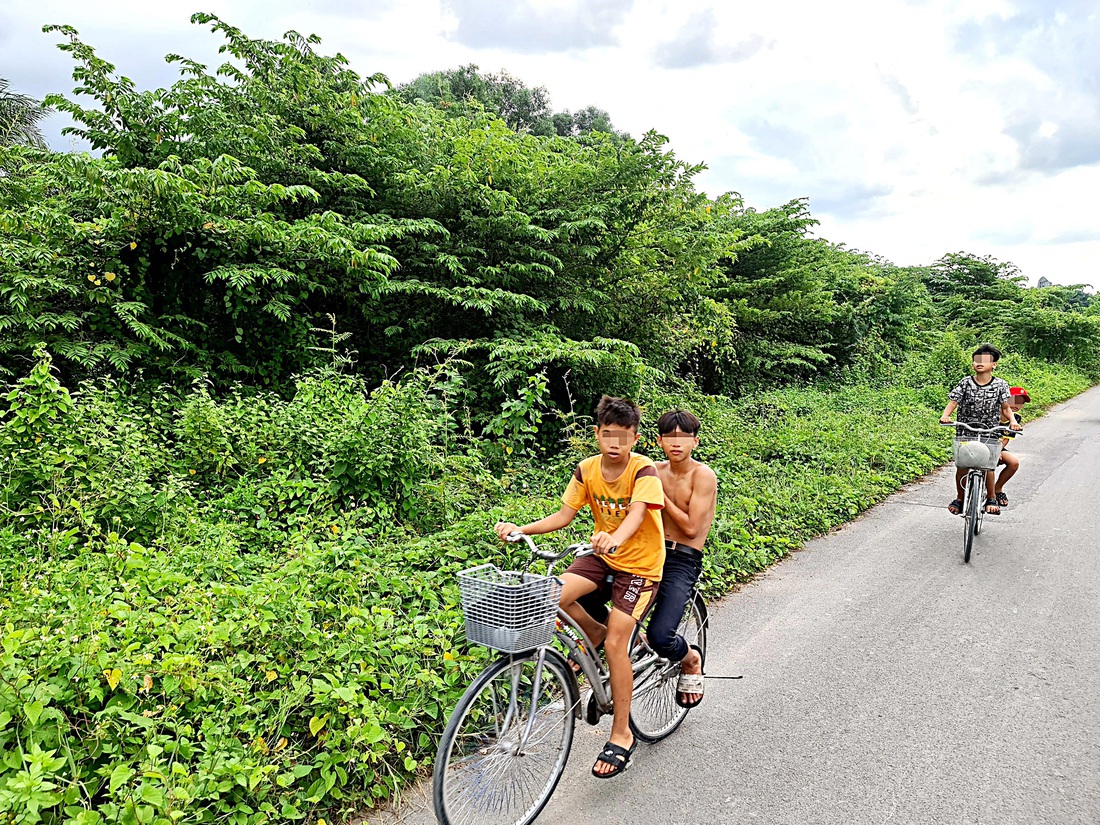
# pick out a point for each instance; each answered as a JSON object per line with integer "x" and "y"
{"x": 576, "y": 666}
{"x": 690, "y": 685}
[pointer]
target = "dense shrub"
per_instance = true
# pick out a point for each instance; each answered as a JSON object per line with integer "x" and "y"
{"x": 243, "y": 607}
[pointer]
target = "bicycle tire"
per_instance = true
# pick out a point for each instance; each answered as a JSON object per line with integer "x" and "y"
{"x": 654, "y": 713}
{"x": 479, "y": 777}
{"x": 981, "y": 510}
{"x": 973, "y": 496}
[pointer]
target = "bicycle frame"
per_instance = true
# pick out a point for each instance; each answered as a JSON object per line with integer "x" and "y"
{"x": 578, "y": 644}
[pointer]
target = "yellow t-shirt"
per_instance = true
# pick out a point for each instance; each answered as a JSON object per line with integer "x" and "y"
{"x": 643, "y": 554}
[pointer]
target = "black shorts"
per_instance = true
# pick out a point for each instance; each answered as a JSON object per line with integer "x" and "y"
{"x": 631, "y": 594}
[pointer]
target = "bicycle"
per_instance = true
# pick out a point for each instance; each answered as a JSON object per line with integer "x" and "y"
{"x": 508, "y": 739}
{"x": 977, "y": 457}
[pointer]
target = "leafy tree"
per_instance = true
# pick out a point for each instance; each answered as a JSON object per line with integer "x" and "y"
{"x": 19, "y": 118}
{"x": 972, "y": 277}
{"x": 522, "y": 107}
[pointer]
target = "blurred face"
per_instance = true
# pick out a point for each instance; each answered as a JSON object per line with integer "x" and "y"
{"x": 1017, "y": 403}
{"x": 616, "y": 441}
{"x": 983, "y": 363}
{"x": 678, "y": 444}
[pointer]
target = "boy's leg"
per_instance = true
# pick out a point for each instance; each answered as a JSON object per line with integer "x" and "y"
{"x": 575, "y": 586}
{"x": 680, "y": 574}
{"x": 993, "y": 509}
{"x": 1012, "y": 464}
{"x": 595, "y": 603}
{"x": 955, "y": 507}
{"x": 619, "y": 628}
{"x": 631, "y": 598}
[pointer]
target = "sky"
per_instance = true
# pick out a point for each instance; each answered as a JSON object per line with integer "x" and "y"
{"x": 915, "y": 128}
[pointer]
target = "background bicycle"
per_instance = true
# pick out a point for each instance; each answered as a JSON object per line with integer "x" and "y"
{"x": 507, "y": 741}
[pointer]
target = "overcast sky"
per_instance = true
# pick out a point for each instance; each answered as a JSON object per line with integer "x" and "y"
{"x": 915, "y": 127}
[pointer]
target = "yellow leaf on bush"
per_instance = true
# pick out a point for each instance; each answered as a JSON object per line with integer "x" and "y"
{"x": 110, "y": 276}
{"x": 280, "y": 744}
{"x": 448, "y": 656}
{"x": 334, "y": 528}
{"x": 270, "y": 675}
{"x": 261, "y": 460}
{"x": 113, "y": 677}
{"x": 192, "y": 472}
{"x": 133, "y": 244}
{"x": 147, "y": 683}
{"x": 208, "y": 225}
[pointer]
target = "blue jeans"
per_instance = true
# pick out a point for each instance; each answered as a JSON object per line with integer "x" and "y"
{"x": 680, "y": 573}
{"x": 679, "y": 577}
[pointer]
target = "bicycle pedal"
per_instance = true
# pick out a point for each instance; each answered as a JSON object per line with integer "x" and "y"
{"x": 592, "y": 712}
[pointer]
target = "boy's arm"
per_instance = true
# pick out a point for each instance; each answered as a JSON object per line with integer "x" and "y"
{"x": 562, "y": 518}
{"x": 947, "y": 411}
{"x": 603, "y": 542}
{"x": 1007, "y": 414}
{"x": 704, "y": 499}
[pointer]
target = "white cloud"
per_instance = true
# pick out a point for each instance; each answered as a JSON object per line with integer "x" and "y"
{"x": 915, "y": 127}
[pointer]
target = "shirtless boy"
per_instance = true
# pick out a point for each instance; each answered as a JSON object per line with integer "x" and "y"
{"x": 691, "y": 491}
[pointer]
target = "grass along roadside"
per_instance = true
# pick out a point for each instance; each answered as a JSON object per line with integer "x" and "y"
{"x": 269, "y": 641}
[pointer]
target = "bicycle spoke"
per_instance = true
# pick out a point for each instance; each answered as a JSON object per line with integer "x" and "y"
{"x": 654, "y": 713}
{"x": 487, "y": 778}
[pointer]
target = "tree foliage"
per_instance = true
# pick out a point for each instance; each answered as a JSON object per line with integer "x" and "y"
{"x": 19, "y": 118}
{"x": 239, "y": 209}
{"x": 465, "y": 91}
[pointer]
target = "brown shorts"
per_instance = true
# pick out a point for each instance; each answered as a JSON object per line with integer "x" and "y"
{"x": 631, "y": 594}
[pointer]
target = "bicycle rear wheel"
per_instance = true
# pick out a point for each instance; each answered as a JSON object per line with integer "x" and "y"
{"x": 482, "y": 774}
{"x": 654, "y": 713}
{"x": 973, "y": 500}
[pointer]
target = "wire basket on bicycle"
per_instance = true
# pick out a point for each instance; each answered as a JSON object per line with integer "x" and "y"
{"x": 977, "y": 451}
{"x": 507, "y": 611}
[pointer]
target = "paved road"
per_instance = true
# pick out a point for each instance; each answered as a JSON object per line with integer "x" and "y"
{"x": 887, "y": 682}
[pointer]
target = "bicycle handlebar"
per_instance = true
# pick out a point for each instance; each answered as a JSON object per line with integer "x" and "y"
{"x": 580, "y": 550}
{"x": 1000, "y": 429}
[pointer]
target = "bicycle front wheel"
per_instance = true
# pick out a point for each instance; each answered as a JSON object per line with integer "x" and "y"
{"x": 654, "y": 713}
{"x": 506, "y": 744}
{"x": 973, "y": 499}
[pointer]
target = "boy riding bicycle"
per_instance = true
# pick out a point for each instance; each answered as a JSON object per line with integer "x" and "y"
{"x": 624, "y": 493}
{"x": 982, "y": 401}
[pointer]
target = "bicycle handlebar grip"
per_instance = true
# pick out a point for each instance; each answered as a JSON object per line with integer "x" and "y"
{"x": 586, "y": 549}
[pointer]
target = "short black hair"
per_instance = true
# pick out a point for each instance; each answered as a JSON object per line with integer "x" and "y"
{"x": 680, "y": 420}
{"x": 620, "y": 411}
{"x": 988, "y": 349}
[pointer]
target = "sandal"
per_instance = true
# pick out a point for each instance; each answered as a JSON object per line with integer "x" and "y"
{"x": 955, "y": 508}
{"x": 992, "y": 502}
{"x": 617, "y": 756}
{"x": 691, "y": 684}
{"x": 1002, "y": 499}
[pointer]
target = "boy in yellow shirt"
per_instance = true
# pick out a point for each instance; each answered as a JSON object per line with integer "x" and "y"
{"x": 624, "y": 493}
